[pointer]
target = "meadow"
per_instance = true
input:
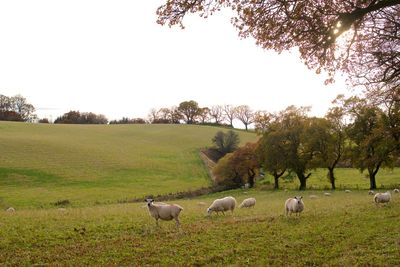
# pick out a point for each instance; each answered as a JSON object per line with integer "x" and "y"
{"x": 345, "y": 229}
{"x": 97, "y": 167}
{"x": 41, "y": 164}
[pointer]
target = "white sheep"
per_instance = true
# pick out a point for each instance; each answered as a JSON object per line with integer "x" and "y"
{"x": 10, "y": 209}
{"x": 396, "y": 190}
{"x": 294, "y": 205}
{"x": 347, "y": 191}
{"x": 164, "y": 211}
{"x": 327, "y": 194}
{"x": 382, "y": 197}
{"x": 371, "y": 192}
{"x": 222, "y": 205}
{"x": 313, "y": 196}
{"x": 248, "y": 203}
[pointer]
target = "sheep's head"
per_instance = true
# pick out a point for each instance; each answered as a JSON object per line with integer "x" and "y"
{"x": 299, "y": 199}
{"x": 149, "y": 201}
{"x": 209, "y": 211}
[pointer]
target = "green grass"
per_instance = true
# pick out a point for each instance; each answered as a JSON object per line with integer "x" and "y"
{"x": 341, "y": 230}
{"x": 86, "y": 164}
{"x": 346, "y": 178}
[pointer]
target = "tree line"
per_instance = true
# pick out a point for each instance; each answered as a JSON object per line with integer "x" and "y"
{"x": 16, "y": 108}
{"x": 363, "y": 133}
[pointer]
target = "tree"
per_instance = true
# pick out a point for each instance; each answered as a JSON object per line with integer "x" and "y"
{"x": 262, "y": 120}
{"x": 245, "y": 115}
{"x": 368, "y": 51}
{"x": 16, "y": 108}
{"x": 216, "y": 112}
{"x": 272, "y": 153}
{"x": 204, "y": 115}
{"x": 293, "y": 124}
{"x": 226, "y": 142}
{"x": 75, "y": 117}
{"x": 189, "y": 110}
{"x": 238, "y": 167}
{"x": 326, "y": 139}
{"x": 373, "y": 145}
{"x": 230, "y": 113}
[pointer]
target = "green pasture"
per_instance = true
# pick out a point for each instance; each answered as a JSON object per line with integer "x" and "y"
{"x": 92, "y": 164}
{"x": 346, "y": 178}
{"x": 345, "y": 229}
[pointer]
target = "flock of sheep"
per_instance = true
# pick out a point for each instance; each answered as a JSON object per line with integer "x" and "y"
{"x": 295, "y": 205}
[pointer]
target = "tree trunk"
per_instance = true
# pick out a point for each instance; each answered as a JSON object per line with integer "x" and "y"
{"x": 303, "y": 180}
{"x": 332, "y": 178}
{"x": 251, "y": 180}
{"x": 276, "y": 180}
{"x": 372, "y": 181}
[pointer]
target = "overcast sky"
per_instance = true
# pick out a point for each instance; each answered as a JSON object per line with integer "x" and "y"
{"x": 111, "y": 57}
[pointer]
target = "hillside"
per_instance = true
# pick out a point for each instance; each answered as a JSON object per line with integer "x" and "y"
{"x": 86, "y": 164}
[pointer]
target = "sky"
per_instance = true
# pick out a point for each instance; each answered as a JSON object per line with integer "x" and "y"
{"x": 112, "y": 58}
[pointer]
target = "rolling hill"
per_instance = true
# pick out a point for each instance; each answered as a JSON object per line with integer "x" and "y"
{"x": 44, "y": 163}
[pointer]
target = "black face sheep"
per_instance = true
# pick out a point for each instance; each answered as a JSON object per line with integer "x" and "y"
{"x": 248, "y": 203}
{"x": 396, "y": 190}
{"x": 222, "y": 205}
{"x": 294, "y": 205}
{"x": 164, "y": 211}
{"x": 382, "y": 197}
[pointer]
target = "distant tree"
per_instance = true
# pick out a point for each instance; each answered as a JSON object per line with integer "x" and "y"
{"x": 75, "y": 117}
{"x": 204, "y": 115}
{"x": 189, "y": 110}
{"x": 369, "y": 54}
{"x": 216, "y": 112}
{"x": 272, "y": 152}
{"x": 293, "y": 123}
{"x": 44, "y": 120}
{"x": 239, "y": 167}
{"x": 16, "y": 108}
{"x": 226, "y": 142}
{"x": 229, "y": 114}
{"x": 245, "y": 115}
{"x": 372, "y": 144}
{"x": 153, "y": 115}
{"x": 125, "y": 120}
{"x": 262, "y": 119}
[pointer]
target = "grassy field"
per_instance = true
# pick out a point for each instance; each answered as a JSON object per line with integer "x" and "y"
{"x": 346, "y": 178}
{"x": 87, "y": 164}
{"x": 341, "y": 230}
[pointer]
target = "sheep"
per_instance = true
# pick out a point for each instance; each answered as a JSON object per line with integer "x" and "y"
{"x": 313, "y": 197}
{"x": 396, "y": 190}
{"x": 347, "y": 191}
{"x": 10, "y": 209}
{"x": 382, "y": 197}
{"x": 164, "y": 211}
{"x": 248, "y": 203}
{"x": 371, "y": 192}
{"x": 222, "y": 205}
{"x": 327, "y": 194}
{"x": 294, "y": 205}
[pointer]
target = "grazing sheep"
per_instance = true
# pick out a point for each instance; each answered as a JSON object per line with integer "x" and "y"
{"x": 222, "y": 205}
{"x": 396, "y": 190}
{"x": 248, "y": 203}
{"x": 382, "y": 197}
{"x": 371, "y": 192}
{"x": 164, "y": 211}
{"x": 327, "y": 194}
{"x": 347, "y": 191}
{"x": 10, "y": 209}
{"x": 313, "y": 196}
{"x": 294, "y": 205}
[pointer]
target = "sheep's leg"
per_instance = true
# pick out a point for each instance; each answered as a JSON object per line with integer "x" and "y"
{"x": 177, "y": 222}
{"x": 157, "y": 223}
